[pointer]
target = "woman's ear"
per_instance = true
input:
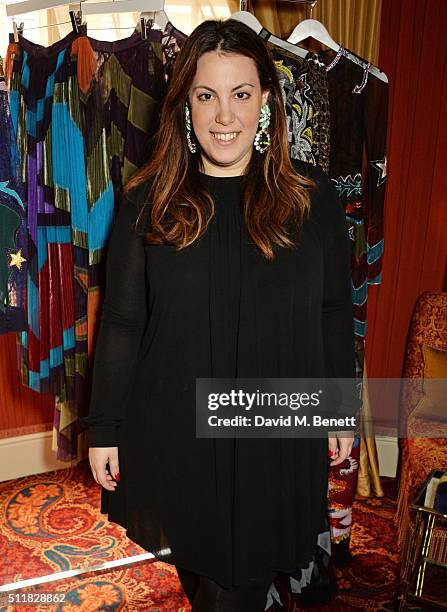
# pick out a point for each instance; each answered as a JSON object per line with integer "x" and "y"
{"x": 265, "y": 95}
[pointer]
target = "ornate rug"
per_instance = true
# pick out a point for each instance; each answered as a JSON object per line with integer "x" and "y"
{"x": 51, "y": 523}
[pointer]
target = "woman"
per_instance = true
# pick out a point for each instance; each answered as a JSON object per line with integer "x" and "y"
{"x": 225, "y": 261}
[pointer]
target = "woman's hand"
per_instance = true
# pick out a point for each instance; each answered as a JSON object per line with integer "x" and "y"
{"x": 98, "y": 458}
{"x": 340, "y": 446}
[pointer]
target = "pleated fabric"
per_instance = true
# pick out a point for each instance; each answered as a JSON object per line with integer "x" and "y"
{"x": 83, "y": 113}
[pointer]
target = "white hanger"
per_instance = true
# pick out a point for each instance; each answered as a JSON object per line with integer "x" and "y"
{"x": 252, "y": 22}
{"x": 249, "y": 19}
{"x": 315, "y": 29}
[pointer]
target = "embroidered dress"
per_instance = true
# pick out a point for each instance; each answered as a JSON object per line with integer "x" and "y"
{"x": 299, "y": 103}
{"x": 359, "y": 108}
{"x": 357, "y": 167}
{"x": 347, "y": 130}
{"x": 231, "y": 509}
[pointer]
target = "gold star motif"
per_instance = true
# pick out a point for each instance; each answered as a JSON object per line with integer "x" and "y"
{"x": 17, "y": 259}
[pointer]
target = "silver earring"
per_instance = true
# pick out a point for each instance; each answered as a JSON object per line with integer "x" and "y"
{"x": 262, "y": 139}
{"x": 191, "y": 145}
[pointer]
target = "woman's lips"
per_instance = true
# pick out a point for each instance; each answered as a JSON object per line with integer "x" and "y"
{"x": 225, "y": 139}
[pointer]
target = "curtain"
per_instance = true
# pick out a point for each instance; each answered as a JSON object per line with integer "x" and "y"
{"x": 413, "y": 52}
{"x": 355, "y": 24}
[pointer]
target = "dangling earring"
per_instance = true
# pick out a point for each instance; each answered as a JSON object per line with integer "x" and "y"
{"x": 191, "y": 145}
{"x": 262, "y": 139}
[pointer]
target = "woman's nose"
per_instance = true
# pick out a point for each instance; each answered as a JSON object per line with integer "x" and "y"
{"x": 225, "y": 114}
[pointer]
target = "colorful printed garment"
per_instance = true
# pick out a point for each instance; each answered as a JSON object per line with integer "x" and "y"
{"x": 44, "y": 100}
{"x": 76, "y": 116}
{"x": 359, "y": 108}
{"x": 347, "y": 131}
{"x": 13, "y": 234}
{"x": 348, "y": 137}
{"x": 298, "y": 101}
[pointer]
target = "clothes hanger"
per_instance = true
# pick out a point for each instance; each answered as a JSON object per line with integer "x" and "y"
{"x": 76, "y": 19}
{"x": 252, "y": 22}
{"x": 311, "y": 28}
{"x": 316, "y": 30}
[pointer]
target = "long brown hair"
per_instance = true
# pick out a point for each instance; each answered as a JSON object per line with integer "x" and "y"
{"x": 178, "y": 207}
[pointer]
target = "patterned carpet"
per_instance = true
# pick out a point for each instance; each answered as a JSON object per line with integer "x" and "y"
{"x": 51, "y": 523}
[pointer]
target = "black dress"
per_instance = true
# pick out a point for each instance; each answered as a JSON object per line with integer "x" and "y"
{"x": 229, "y": 509}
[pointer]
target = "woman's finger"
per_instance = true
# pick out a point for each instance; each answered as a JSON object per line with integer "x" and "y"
{"x": 344, "y": 447}
{"x": 99, "y": 458}
{"x": 102, "y": 478}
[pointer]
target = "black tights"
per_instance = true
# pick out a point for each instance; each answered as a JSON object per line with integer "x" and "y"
{"x": 205, "y": 595}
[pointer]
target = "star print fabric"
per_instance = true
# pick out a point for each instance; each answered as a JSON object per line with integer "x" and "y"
{"x": 358, "y": 106}
{"x": 13, "y": 242}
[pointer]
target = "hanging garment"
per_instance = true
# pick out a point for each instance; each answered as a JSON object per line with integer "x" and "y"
{"x": 304, "y": 87}
{"x": 348, "y": 124}
{"x": 298, "y": 103}
{"x": 230, "y": 509}
{"x": 358, "y": 119}
{"x": 348, "y": 132}
{"x": 173, "y": 40}
{"x": 121, "y": 96}
{"x": 13, "y": 234}
{"x": 359, "y": 111}
{"x": 47, "y": 346}
{"x": 84, "y": 120}
{"x": 315, "y": 71}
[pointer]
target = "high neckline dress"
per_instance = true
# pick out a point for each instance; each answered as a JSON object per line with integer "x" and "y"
{"x": 229, "y": 509}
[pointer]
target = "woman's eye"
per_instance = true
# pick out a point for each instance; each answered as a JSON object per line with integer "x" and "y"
{"x": 241, "y": 95}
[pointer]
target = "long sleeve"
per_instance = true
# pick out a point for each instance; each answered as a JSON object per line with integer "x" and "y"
{"x": 337, "y": 311}
{"x": 122, "y": 325}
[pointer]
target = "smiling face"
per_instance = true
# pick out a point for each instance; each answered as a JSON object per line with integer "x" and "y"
{"x": 225, "y": 100}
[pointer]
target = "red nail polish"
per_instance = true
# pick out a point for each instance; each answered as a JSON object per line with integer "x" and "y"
{"x": 117, "y": 477}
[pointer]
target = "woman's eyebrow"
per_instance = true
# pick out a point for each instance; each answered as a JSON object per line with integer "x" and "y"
{"x": 234, "y": 88}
